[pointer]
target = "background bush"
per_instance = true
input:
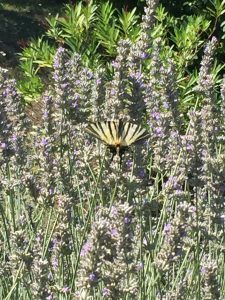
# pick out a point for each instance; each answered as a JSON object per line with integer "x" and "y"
{"x": 93, "y": 31}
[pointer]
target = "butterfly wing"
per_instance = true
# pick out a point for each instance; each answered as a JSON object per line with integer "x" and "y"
{"x": 132, "y": 133}
{"x": 117, "y": 133}
{"x": 107, "y": 132}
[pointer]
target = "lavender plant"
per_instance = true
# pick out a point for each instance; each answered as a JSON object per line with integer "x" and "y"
{"x": 109, "y": 256}
{"x": 74, "y": 225}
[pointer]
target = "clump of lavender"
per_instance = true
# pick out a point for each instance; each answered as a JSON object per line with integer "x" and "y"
{"x": 86, "y": 153}
{"x": 76, "y": 99}
{"x": 73, "y": 108}
{"x": 221, "y": 137}
{"x": 209, "y": 112}
{"x": 20, "y": 256}
{"x": 176, "y": 237}
{"x": 108, "y": 258}
{"x": 194, "y": 147}
{"x": 61, "y": 143}
{"x": 73, "y": 87}
{"x": 196, "y": 153}
{"x": 205, "y": 164}
{"x": 41, "y": 177}
{"x": 161, "y": 101}
{"x": 117, "y": 92}
{"x": 41, "y": 279}
{"x": 13, "y": 123}
{"x": 140, "y": 48}
{"x": 180, "y": 291}
{"x": 124, "y": 97}
{"x": 62, "y": 239}
{"x": 46, "y": 269}
{"x": 210, "y": 287}
{"x": 204, "y": 124}
{"x": 49, "y": 144}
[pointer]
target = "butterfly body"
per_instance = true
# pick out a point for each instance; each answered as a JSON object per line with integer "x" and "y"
{"x": 117, "y": 135}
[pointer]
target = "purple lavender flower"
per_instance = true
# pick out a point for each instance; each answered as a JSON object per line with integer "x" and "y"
{"x": 129, "y": 163}
{"x": 56, "y": 62}
{"x": 173, "y": 182}
{"x": 113, "y": 92}
{"x": 142, "y": 173}
{"x": 90, "y": 74}
{"x": 140, "y": 266}
{"x": 113, "y": 232}
{"x": 44, "y": 142}
{"x": 111, "y": 241}
{"x": 127, "y": 220}
{"x": 144, "y": 55}
{"x": 115, "y": 64}
{"x": 114, "y": 211}
{"x": 156, "y": 115}
{"x": 50, "y": 297}
{"x": 106, "y": 292}
{"x": 203, "y": 269}
{"x": 86, "y": 249}
{"x": 55, "y": 263}
{"x": 66, "y": 289}
{"x": 93, "y": 277}
{"x": 166, "y": 105}
{"x": 167, "y": 228}
{"x": 3, "y": 145}
{"x": 159, "y": 131}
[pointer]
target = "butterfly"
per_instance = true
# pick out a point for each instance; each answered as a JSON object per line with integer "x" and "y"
{"x": 117, "y": 135}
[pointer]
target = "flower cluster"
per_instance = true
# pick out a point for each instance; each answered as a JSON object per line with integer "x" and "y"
{"x": 210, "y": 287}
{"x": 20, "y": 259}
{"x": 41, "y": 282}
{"x": 62, "y": 240}
{"x": 176, "y": 237}
{"x": 13, "y": 122}
{"x": 108, "y": 257}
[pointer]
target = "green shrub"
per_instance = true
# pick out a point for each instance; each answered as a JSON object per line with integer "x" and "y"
{"x": 93, "y": 31}
{"x": 90, "y": 30}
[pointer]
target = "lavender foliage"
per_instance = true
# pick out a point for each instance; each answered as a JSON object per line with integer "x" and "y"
{"x": 74, "y": 224}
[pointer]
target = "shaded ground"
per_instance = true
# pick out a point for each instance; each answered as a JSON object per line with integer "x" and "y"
{"x": 21, "y": 20}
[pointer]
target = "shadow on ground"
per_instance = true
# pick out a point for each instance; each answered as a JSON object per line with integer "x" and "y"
{"x": 20, "y": 21}
{"x": 15, "y": 31}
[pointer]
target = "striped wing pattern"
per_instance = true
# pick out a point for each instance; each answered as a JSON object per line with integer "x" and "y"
{"x": 117, "y": 133}
{"x": 104, "y": 131}
{"x": 132, "y": 133}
